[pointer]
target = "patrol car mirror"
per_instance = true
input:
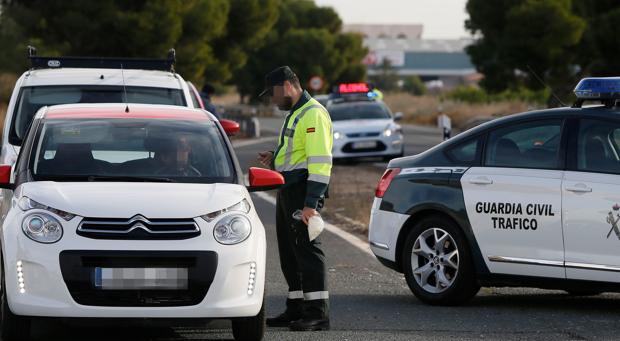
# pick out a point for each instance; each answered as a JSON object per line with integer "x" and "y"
{"x": 262, "y": 179}
{"x": 398, "y": 116}
{"x": 5, "y": 177}
{"x": 230, "y": 127}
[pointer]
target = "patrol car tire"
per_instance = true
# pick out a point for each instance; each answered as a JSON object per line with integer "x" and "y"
{"x": 463, "y": 285}
{"x": 12, "y": 327}
{"x": 250, "y": 328}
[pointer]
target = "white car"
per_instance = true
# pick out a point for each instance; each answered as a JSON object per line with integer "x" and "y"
{"x": 526, "y": 200}
{"x": 364, "y": 127}
{"x": 131, "y": 214}
{"x": 65, "y": 80}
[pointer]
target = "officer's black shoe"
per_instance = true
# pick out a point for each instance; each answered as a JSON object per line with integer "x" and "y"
{"x": 282, "y": 320}
{"x": 310, "y": 324}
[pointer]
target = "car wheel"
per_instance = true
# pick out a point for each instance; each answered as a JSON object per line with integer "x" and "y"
{"x": 437, "y": 263}
{"x": 250, "y": 328}
{"x": 12, "y": 327}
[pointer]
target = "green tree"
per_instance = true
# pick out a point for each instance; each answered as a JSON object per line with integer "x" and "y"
{"x": 308, "y": 39}
{"x": 414, "y": 85}
{"x": 520, "y": 39}
{"x": 387, "y": 78}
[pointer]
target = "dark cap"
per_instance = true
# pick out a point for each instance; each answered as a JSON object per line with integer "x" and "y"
{"x": 277, "y": 77}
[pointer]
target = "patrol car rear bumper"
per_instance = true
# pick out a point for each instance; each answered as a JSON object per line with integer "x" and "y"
{"x": 384, "y": 231}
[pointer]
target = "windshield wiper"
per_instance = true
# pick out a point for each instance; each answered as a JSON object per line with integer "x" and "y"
{"x": 128, "y": 178}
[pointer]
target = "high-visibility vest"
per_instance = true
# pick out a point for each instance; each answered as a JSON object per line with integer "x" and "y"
{"x": 305, "y": 148}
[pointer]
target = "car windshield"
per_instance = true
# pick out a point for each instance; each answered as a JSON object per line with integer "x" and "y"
{"x": 131, "y": 150}
{"x": 358, "y": 111}
{"x": 32, "y": 99}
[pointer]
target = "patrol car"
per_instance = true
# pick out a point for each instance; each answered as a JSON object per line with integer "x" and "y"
{"x": 138, "y": 213}
{"x": 363, "y": 126}
{"x": 531, "y": 199}
{"x": 64, "y": 80}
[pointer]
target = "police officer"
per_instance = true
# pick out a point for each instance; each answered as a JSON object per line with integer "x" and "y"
{"x": 304, "y": 158}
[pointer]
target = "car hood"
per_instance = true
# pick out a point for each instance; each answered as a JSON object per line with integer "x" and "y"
{"x": 354, "y": 126}
{"x": 126, "y": 199}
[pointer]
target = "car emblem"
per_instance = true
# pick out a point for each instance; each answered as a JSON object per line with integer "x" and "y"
{"x": 613, "y": 221}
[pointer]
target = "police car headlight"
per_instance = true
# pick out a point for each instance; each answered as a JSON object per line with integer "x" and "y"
{"x": 27, "y": 204}
{"x": 232, "y": 229}
{"x": 388, "y": 132}
{"x": 337, "y": 135}
{"x": 42, "y": 228}
{"x": 241, "y": 206}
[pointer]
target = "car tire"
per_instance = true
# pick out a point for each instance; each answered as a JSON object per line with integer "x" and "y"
{"x": 250, "y": 328}
{"x": 439, "y": 273}
{"x": 12, "y": 327}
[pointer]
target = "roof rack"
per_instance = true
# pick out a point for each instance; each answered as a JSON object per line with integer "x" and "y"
{"x": 38, "y": 62}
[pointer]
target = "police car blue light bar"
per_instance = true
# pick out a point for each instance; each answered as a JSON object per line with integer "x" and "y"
{"x": 598, "y": 88}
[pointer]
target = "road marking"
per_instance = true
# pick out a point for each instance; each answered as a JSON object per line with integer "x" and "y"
{"x": 245, "y": 143}
{"x": 348, "y": 237}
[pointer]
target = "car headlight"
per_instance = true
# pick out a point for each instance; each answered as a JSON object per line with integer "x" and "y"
{"x": 337, "y": 135}
{"x": 27, "y": 204}
{"x": 388, "y": 132}
{"x": 232, "y": 229}
{"x": 241, "y": 206}
{"x": 42, "y": 228}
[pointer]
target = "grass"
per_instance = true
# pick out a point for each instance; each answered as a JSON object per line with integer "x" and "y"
{"x": 425, "y": 109}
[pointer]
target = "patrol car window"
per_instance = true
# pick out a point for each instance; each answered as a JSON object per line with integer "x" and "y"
{"x": 107, "y": 149}
{"x": 525, "y": 145}
{"x": 465, "y": 153}
{"x": 597, "y": 146}
{"x": 31, "y": 99}
{"x": 358, "y": 111}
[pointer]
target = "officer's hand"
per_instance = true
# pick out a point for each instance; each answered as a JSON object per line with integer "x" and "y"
{"x": 307, "y": 213}
{"x": 265, "y": 158}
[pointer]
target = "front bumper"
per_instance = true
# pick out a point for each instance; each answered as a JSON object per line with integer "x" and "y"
{"x": 52, "y": 291}
{"x": 344, "y": 147}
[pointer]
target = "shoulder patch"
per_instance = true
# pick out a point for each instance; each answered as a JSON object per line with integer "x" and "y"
{"x": 310, "y": 130}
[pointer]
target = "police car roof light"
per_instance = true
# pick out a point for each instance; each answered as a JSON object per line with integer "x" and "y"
{"x": 603, "y": 89}
{"x": 349, "y": 88}
{"x": 38, "y": 62}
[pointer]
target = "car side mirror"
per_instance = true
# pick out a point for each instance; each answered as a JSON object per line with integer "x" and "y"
{"x": 398, "y": 116}
{"x": 262, "y": 179}
{"x": 230, "y": 127}
{"x": 5, "y": 177}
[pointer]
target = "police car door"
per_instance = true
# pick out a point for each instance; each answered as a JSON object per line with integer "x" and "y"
{"x": 513, "y": 201}
{"x": 591, "y": 202}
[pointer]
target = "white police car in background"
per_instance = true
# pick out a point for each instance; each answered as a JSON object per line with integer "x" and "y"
{"x": 527, "y": 200}
{"x": 65, "y": 80}
{"x": 138, "y": 214}
{"x": 363, "y": 126}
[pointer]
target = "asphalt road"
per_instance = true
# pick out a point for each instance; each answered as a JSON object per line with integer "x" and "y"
{"x": 370, "y": 302}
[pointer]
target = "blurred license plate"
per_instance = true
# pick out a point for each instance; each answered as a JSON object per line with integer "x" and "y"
{"x": 364, "y": 144}
{"x": 141, "y": 278}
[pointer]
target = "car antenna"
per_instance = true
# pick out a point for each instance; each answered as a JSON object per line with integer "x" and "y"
{"x": 545, "y": 85}
{"x": 124, "y": 89}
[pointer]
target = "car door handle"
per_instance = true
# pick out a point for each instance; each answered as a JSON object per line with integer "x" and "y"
{"x": 481, "y": 180}
{"x": 579, "y": 188}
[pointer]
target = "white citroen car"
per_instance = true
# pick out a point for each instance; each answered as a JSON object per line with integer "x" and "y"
{"x": 131, "y": 212}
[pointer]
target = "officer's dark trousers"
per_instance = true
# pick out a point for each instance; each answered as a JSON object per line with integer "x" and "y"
{"x": 302, "y": 261}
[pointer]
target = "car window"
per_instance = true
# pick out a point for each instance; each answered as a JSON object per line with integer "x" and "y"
{"x": 525, "y": 145}
{"x": 597, "y": 146}
{"x": 31, "y": 99}
{"x": 358, "y": 111}
{"x": 465, "y": 153}
{"x": 183, "y": 151}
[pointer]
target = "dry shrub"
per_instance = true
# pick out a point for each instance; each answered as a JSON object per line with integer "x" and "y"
{"x": 7, "y": 83}
{"x": 425, "y": 109}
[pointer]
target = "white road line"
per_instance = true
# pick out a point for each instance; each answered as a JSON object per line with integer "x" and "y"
{"x": 245, "y": 143}
{"x": 348, "y": 237}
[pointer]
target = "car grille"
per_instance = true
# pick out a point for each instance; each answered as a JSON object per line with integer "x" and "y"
{"x": 138, "y": 227}
{"x": 78, "y": 268}
{"x": 367, "y": 134}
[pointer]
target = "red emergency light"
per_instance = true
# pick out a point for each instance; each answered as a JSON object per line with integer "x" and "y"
{"x": 349, "y": 88}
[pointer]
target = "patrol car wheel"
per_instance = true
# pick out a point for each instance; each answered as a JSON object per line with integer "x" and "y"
{"x": 250, "y": 328}
{"x": 12, "y": 327}
{"x": 437, "y": 263}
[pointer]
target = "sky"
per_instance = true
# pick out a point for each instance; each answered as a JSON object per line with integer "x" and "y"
{"x": 442, "y": 19}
